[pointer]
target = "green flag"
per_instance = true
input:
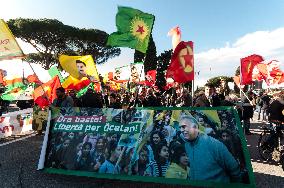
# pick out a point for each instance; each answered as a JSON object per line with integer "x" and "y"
{"x": 133, "y": 29}
{"x": 84, "y": 90}
{"x": 53, "y": 71}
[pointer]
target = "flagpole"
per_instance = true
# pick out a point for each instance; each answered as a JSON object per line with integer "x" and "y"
{"x": 192, "y": 91}
{"x": 240, "y": 78}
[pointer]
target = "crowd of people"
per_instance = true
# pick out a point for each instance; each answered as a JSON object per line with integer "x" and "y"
{"x": 168, "y": 152}
{"x": 196, "y": 149}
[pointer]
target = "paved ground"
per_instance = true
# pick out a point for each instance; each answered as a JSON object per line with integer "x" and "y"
{"x": 19, "y": 162}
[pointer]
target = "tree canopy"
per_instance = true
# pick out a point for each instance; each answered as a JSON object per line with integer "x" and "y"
{"x": 163, "y": 63}
{"x": 51, "y": 38}
{"x": 216, "y": 81}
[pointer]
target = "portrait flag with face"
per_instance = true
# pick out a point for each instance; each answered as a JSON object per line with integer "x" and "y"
{"x": 79, "y": 66}
{"x": 181, "y": 68}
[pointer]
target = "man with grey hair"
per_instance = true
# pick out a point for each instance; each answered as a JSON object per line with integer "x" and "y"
{"x": 209, "y": 158}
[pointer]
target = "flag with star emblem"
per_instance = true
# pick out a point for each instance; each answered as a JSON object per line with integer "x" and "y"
{"x": 181, "y": 68}
{"x": 133, "y": 29}
{"x": 46, "y": 93}
{"x": 247, "y": 65}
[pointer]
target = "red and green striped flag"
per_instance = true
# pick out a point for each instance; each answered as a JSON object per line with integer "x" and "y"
{"x": 15, "y": 89}
{"x": 133, "y": 29}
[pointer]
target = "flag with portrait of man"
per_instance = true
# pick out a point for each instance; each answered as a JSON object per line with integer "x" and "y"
{"x": 79, "y": 66}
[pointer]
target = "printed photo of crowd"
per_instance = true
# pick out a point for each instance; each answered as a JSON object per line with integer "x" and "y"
{"x": 182, "y": 144}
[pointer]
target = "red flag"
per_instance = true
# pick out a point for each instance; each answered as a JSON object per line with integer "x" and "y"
{"x": 181, "y": 68}
{"x": 260, "y": 72}
{"x": 46, "y": 93}
{"x": 150, "y": 78}
{"x": 110, "y": 76}
{"x": 247, "y": 65}
{"x": 34, "y": 79}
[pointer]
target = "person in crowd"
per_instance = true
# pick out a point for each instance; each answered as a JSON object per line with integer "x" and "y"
{"x": 160, "y": 164}
{"x": 91, "y": 99}
{"x": 99, "y": 153}
{"x": 91, "y": 138}
{"x": 201, "y": 100}
{"x": 77, "y": 102}
{"x": 106, "y": 98}
{"x": 179, "y": 167}
{"x": 212, "y": 96}
{"x": 113, "y": 102}
{"x": 62, "y": 99}
{"x": 111, "y": 166}
{"x": 141, "y": 163}
{"x": 60, "y": 155}
{"x": 276, "y": 109}
{"x": 185, "y": 99}
{"x": 226, "y": 138}
{"x": 209, "y": 158}
{"x": 259, "y": 104}
{"x": 156, "y": 137}
{"x": 84, "y": 161}
{"x": 247, "y": 111}
{"x": 265, "y": 105}
{"x": 151, "y": 99}
{"x": 227, "y": 101}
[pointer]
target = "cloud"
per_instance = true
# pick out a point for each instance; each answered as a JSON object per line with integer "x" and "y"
{"x": 224, "y": 61}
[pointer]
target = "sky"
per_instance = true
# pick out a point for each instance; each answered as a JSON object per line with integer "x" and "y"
{"x": 222, "y": 31}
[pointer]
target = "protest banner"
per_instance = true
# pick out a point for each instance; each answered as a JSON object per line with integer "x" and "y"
{"x": 184, "y": 146}
{"x": 14, "y": 123}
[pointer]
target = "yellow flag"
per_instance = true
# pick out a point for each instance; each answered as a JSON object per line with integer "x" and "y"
{"x": 79, "y": 66}
{"x": 9, "y": 48}
{"x": 213, "y": 115}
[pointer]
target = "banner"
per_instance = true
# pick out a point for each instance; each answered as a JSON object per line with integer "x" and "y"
{"x": 193, "y": 146}
{"x": 133, "y": 72}
{"x": 14, "y": 123}
{"x": 9, "y": 47}
{"x": 40, "y": 116}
